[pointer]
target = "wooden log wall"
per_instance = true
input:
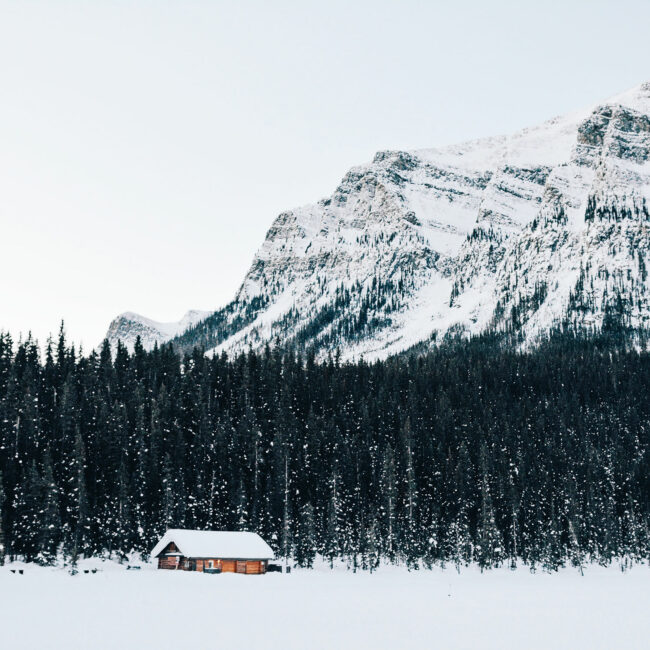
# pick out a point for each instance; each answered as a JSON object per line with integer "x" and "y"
{"x": 250, "y": 567}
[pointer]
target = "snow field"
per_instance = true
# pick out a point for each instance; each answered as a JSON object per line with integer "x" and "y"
{"x": 392, "y": 608}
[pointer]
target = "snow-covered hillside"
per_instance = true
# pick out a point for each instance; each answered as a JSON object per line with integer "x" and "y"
{"x": 128, "y": 326}
{"x": 517, "y": 233}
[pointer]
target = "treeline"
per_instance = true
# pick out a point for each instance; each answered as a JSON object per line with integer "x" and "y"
{"x": 470, "y": 453}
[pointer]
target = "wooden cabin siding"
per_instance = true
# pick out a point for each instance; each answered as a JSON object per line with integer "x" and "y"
{"x": 170, "y": 548}
{"x": 254, "y": 568}
{"x": 250, "y": 567}
{"x": 228, "y": 566}
{"x": 168, "y": 562}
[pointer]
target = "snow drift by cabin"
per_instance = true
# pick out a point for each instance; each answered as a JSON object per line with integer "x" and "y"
{"x": 212, "y": 551}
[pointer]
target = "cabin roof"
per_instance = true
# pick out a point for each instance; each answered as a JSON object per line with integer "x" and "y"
{"x": 223, "y": 544}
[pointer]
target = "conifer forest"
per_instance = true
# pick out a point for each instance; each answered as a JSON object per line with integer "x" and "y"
{"x": 469, "y": 453}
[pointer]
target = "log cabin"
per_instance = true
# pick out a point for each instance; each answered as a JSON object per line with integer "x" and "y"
{"x": 212, "y": 551}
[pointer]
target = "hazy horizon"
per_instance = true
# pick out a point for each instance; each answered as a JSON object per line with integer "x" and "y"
{"x": 146, "y": 149}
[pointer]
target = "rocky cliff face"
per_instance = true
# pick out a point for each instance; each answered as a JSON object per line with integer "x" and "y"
{"x": 581, "y": 260}
{"x": 128, "y": 326}
{"x": 517, "y": 233}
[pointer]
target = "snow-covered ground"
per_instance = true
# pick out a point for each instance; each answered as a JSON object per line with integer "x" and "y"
{"x": 392, "y": 608}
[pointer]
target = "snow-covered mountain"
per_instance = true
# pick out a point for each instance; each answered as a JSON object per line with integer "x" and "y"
{"x": 128, "y": 326}
{"x": 518, "y": 233}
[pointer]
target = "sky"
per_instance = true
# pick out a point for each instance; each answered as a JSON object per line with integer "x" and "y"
{"x": 146, "y": 147}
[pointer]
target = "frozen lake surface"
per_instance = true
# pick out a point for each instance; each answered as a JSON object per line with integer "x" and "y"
{"x": 392, "y": 608}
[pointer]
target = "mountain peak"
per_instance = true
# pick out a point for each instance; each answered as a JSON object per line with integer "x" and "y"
{"x": 128, "y": 326}
{"x": 517, "y": 233}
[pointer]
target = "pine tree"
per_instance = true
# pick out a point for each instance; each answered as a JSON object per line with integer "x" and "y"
{"x": 168, "y": 504}
{"x": 489, "y": 547}
{"x": 3, "y": 547}
{"x": 27, "y": 512}
{"x": 50, "y": 533}
{"x": 332, "y": 545}
{"x": 80, "y": 515}
{"x": 389, "y": 506}
{"x": 305, "y": 548}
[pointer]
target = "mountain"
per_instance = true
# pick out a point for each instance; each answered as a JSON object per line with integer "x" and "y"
{"x": 519, "y": 233}
{"x": 128, "y": 326}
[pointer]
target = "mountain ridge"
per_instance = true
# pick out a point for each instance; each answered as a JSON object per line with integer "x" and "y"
{"x": 127, "y": 326}
{"x": 517, "y": 233}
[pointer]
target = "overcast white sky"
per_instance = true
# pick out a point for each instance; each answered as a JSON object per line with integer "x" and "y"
{"x": 145, "y": 147}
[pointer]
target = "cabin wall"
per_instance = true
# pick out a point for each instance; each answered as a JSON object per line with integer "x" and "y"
{"x": 228, "y": 566}
{"x": 168, "y": 562}
{"x": 255, "y": 568}
{"x": 249, "y": 567}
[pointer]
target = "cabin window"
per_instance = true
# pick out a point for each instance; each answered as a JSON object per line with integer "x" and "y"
{"x": 211, "y": 564}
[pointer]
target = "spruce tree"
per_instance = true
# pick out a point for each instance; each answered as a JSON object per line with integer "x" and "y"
{"x": 50, "y": 533}
{"x": 3, "y": 542}
{"x": 80, "y": 515}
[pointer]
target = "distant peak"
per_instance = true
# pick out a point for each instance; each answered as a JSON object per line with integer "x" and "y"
{"x": 129, "y": 325}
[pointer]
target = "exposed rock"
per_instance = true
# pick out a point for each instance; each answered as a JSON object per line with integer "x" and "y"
{"x": 518, "y": 233}
{"x": 128, "y": 326}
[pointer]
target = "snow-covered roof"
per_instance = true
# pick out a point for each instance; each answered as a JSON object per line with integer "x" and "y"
{"x": 222, "y": 544}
